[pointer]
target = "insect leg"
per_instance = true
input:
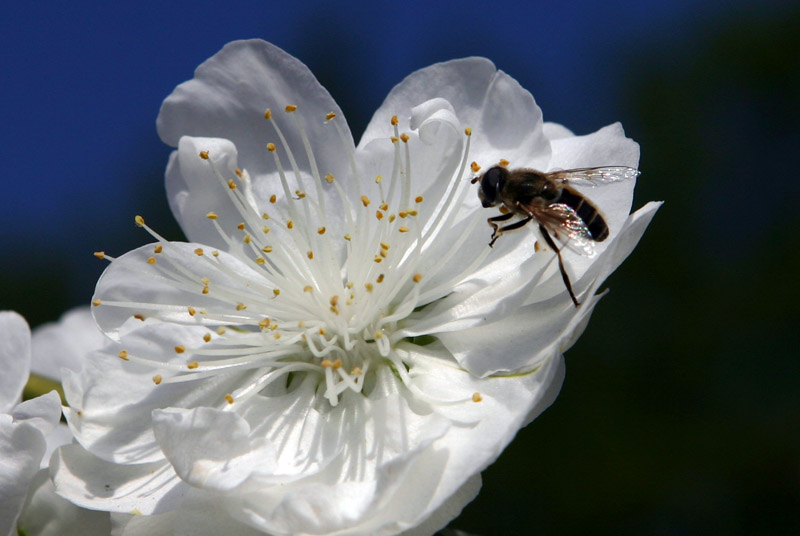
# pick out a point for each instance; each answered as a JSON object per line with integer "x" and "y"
{"x": 500, "y": 230}
{"x": 564, "y": 275}
{"x": 492, "y": 222}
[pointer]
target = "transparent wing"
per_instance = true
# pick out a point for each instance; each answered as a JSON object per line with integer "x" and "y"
{"x": 564, "y": 224}
{"x": 597, "y": 176}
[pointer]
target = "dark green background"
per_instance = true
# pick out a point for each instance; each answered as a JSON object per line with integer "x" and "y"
{"x": 680, "y": 411}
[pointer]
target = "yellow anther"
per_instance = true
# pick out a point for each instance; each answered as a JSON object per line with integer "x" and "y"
{"x": 241, "y": 307}
{"x": 378, "y": 334}
{"x": 413, "y": 212}
{"x": 261, "y": 260}
{"x": 349, "y": 284}
{"x": 503, "y": 162}
{"x": 337, "y": 364}
{"x": 384, "y": 207}
{"x": 247, "y": 238}
{"x": 267, "y": 249}
{"x": 403, "y": 229}
{"x": 290, "y": 224}
{"x": 394, "y": 120}
{"x": 207, "y": 337}
{"x": 300, "y": 194}
{"x": 335, "y": 310}
{"x": 139, "y": 317}
{"x": 241, "y": 226}
{"x": 394, "y": 139}
{"x": 301, "y": 324}
{"x": 468, "y": 131}
{"x": 100, "y": 254}
{"x": 265, "y": 229}
{"x": 273, "y": 198}
{"x": 290, "y": 108}
{"x": 378, "y": 259}
{"x": 271, "y": 147}
{"x": 157, "y": 379}
{"x": 476, "y": 397}
{"x": 151, "y": 260}
{"x": 403, "y": 213}
{"x": 239, "y": 172}
{"x": 356, "y": 372}
{"x": 365, "y": 200}
{"x": 221, "y": 330}
{"x": 205, "y": 289}
{"x": 229, "y": 399}
{"x": 327, "y": 363}
{"x": 368, "y": 286}
{"x": 475, "y": 167}
{"x": 380, "y": 278}
{"x": 329, "y": 116}
{"x": 310, "y": 255}
{"x": 329, "y": 177}
{"x": 334, "y": 300}
{"x": 231, "y": 184}
{"x": 404, "y": 137}
{"x": 199, "y": 252}
{"x": 378, "y": 179}
{"x": 96, "y": 302}
{"x": 417, "y": 278}
{"x": 212, "y": 216}
{"x": 205, "y": 281}
{"x": 276, "y": 336}
{"x": 347, "y": 237}
{"x": 276, "y": 291}
{"x": 321, "y": 230}
{"x": 382, "y": 253}
{"x": 123, "y": 354}
{"x": 392, "y": 217}
{"x": 158, "y": 249}
{"x": 263, "y": 323}
{"x": 268, "y": 114}
{"x": 139, "y": 221}
{"x": 192, "y": 310}
{"x": 536, "y": 247}
{"x": 322, "y": 331}
{"x": 418, "y": 199}
{"x": 379, "y": 215}
{"x": 180, "y": 349}
{"x": 204, "y": 155}
{"x": 308, "y": 288}
{"x": 193, "y": 365}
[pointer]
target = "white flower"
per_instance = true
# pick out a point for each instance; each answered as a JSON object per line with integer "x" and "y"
{"x": 29, "y": 432}
{"x": 337, "y": 351}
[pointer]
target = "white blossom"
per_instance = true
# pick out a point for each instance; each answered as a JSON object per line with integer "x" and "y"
{"x": 336, "y": 350}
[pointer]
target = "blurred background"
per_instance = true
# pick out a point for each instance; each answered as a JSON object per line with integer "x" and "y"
{"x": 680, "y": 413}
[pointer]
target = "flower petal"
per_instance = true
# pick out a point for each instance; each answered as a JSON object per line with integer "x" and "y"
{"x": 65, "y": 343}
{"x": 228, "y": 96}
{"x": 90, "y": 482}
{"x": 15, "y": 358}
{"x": 211, "y": 449}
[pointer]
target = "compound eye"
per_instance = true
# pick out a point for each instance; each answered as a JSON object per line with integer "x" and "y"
{"x": 491, "y": 182}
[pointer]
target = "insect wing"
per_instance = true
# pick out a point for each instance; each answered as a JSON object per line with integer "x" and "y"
{"x": 597, "y": 176}
{"x": 562, "y": 221}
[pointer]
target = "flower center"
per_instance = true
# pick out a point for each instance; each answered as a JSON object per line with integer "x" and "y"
{"x": 314, "y": 281}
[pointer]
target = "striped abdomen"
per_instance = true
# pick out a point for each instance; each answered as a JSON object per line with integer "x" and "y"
{"x": 587, "y": 212}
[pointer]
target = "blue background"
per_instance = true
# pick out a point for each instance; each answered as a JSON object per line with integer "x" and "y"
{"x": 680, "y": 412}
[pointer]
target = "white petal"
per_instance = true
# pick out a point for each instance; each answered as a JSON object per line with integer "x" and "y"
{"x": 21, "y": 448}
{"x": 209, "y": 518}
{"x": 65, "y": 343}
{"x": 229, "y": 94}
{"x": 210, "y": 448}
{"x": 535, "y": 331}
{"x": 93, "y": 483}
{"x": 505, "y": 120}
{"x": 47, "y": 514}
{"x": 15, "y": 358}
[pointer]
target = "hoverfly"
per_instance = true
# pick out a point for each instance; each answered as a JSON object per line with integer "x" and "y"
{"x": 549, "y": 200}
